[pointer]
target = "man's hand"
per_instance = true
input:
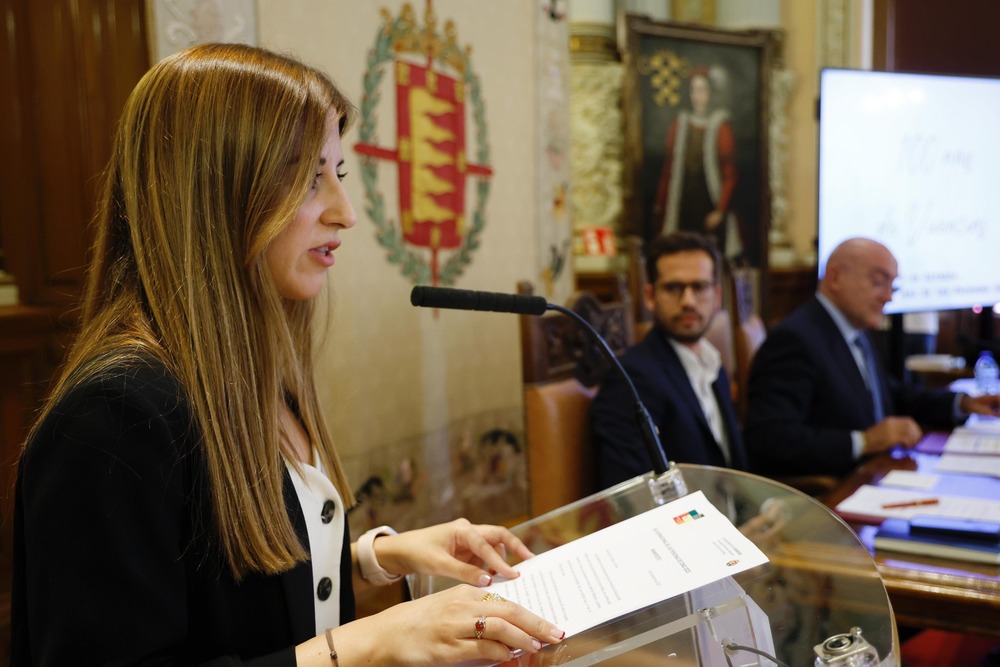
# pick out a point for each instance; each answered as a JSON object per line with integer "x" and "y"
{"x": 980, "y": 405}
{"x": 892, "y": 431}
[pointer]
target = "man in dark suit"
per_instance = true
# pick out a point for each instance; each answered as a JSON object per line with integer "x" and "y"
{"x": 678, "y": 374}
{"x": 819, "y": 399}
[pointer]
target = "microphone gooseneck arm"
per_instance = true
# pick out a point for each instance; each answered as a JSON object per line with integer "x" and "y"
{"x": 424, "y": 296}
{"x": 642, "y": 419}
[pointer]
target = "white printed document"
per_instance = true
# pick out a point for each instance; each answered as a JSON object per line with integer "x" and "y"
{"x": 910, "y": 479}
{"x": 972, "y": 442}
{"x": 880, "y": 502}
{"x": 666, "y": 551}
{"x": 969, "y": 464}
{"x": 981, "y": 424}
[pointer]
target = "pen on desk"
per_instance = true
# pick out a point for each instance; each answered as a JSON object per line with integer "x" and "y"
{"x": 911, "y": 503}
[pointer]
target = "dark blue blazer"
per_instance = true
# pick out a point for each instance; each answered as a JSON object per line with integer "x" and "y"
{"x": 806, "y": 395}
{"x": 664, "y": 387}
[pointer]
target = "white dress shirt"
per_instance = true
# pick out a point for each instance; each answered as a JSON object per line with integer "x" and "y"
{"x": 702, "y": 364}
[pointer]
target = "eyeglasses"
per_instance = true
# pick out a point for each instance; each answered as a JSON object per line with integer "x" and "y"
{"x": 701, "y": 289}
{"x": 881, "y": 282}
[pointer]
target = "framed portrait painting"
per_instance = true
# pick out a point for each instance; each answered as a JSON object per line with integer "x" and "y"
{"x": 696, "y": 125}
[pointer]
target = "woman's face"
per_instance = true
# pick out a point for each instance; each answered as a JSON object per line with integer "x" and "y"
{"x": 701, "y": 93}
{"x": 300, "y": 255}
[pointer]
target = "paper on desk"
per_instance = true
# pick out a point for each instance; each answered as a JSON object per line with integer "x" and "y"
{"x": 983, "y": 424}
{"x": 909, "y": 479}
{"x": 868, "y": 501}
{"x": 666, "y": 551}
{"x": 971, "y": 441}
{"x": 969, "y": 465}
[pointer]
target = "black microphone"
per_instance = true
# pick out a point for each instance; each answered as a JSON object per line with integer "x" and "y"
{"x": 463, "y": 299}
{"x": 446, "y": 297}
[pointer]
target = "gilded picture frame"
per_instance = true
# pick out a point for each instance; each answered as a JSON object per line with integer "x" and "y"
{"x": 681, "y": 149}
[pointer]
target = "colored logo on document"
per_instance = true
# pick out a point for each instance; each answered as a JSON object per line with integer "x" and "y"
{"x": 437, "y": 95}
{"x": 688, "y": 516}
{"x": 732, "y": 562}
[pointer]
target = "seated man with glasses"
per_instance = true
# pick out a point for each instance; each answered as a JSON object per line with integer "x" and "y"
{"x": 678, "y": 374}
{"x": 819, "y": 400}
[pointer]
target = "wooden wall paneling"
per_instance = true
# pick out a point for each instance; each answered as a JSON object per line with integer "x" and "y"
{"x": 788, "y": 288}
{"x": 882, "y": 44}
{"x": 66, "y": 68}
{"x": 71, "y": 65}
{"x": 957, "y": 37}
{"x": 19, "y": 218}
{"x": 61, "y": 112}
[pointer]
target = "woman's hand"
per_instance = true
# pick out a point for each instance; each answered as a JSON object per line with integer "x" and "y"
{"x": 446, "y": 628}
{"x": 456, "y": 549}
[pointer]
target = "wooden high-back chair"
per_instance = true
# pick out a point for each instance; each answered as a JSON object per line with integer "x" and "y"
{"x": 562, "y": 367}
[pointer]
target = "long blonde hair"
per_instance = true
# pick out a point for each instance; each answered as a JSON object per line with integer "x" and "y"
{"x": 214, "y": 153}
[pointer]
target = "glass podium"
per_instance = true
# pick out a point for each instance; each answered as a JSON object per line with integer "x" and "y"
{"x": 818, "y": 601}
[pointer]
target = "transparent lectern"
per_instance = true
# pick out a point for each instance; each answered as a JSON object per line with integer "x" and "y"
{"x": 818, "y": 601}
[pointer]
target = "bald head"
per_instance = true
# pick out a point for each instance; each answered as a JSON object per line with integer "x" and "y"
{"x": 858, "y": 280}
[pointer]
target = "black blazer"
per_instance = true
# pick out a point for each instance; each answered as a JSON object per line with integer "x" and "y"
{"x": 806, "y": 395}
{"x": 115, "y": 555}
{"x": 665, "y": 389}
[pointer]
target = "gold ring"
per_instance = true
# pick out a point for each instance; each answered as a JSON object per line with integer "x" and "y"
{"x": 493, "y": 597}
{"x": 480, "y": 626}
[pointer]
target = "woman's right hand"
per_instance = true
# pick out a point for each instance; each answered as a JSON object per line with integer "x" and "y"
{"x": 441, "y": 629}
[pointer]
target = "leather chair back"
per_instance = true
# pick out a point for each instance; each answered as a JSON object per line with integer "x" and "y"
{"x": 562, "y": 367}
{"x": 560, "y": 452}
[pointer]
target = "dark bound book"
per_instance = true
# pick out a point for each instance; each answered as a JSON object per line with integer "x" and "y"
{"x": 897, "y": 535}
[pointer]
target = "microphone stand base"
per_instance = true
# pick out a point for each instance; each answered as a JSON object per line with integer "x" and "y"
{"x": 668, "y": 486}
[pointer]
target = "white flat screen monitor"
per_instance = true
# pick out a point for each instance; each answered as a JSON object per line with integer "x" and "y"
{"x": 913, "y": 161}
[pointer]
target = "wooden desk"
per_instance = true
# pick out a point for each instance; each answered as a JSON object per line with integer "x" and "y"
{"x": 929, "y": 592}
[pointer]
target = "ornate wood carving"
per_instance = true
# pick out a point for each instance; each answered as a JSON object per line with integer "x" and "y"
{"x": 556, "y": 347}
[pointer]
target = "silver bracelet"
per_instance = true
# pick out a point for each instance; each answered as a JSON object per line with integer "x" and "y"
{"x": 371, "y": 570}
{"x": 333, "y": 651}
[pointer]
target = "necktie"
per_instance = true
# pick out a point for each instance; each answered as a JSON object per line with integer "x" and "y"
{"x": 870, "y": 374}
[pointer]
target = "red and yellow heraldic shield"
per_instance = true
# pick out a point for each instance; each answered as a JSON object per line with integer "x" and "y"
{"x": 440, "y": 117}
{"x": 430, "y": 122}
